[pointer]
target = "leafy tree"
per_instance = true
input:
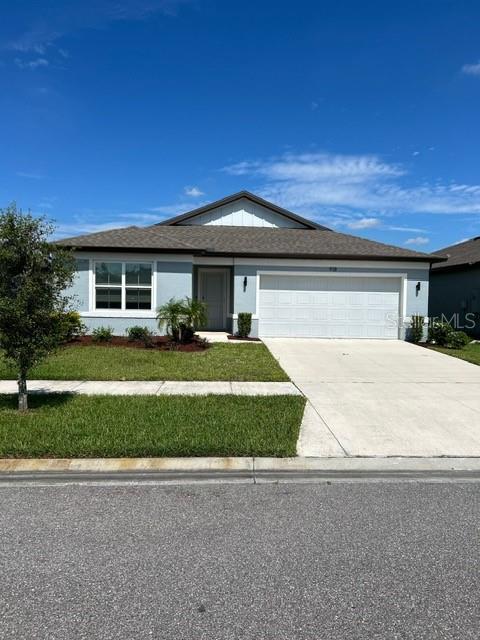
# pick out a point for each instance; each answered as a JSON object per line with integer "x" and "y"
{"x": 34, "y": 274}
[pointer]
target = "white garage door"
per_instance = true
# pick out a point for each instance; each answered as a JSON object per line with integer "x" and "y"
{"x": 328, "y": 306}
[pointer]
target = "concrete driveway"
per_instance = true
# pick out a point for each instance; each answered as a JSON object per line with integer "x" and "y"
{"x": 382, "y": 398}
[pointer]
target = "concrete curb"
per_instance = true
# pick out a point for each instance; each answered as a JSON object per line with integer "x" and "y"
{"x": 233, "y": 465}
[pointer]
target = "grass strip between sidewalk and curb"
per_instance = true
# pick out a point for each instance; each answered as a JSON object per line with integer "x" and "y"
{"x": 66, "y": 426}
{"x": 238, "y": 362}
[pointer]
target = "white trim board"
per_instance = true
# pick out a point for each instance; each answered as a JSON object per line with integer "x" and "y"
{"x": 359, "y": 264}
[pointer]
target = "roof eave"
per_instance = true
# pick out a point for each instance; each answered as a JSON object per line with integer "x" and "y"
{"x": 257, "y": 254}
{"x": 456, "y": 267}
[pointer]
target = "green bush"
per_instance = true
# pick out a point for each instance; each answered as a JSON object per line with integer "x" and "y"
{"x": 458, "y": 340}
{"x": 244, "y": 324}
{"x": 71, "y": 325}
{"x": 140, "y": 334}
{"x": 416, "y": 328}
{"x": 440, "y": 333}
{"x": 443, "y": 334}
{"x": 102, "y": 334}
{"x": 181, "y": 318}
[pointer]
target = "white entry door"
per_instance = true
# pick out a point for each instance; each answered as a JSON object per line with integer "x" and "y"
{"x": 329, "y": 306}
{"x": 212, "y": 289}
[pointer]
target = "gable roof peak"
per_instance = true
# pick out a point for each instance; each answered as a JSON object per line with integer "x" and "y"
{"x": 182, "y": 218}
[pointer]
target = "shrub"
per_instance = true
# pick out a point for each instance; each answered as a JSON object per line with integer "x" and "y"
{"x": 102, "y": 334}
{"x": 72, "y": 325}
{"x": 181, "y": 318}
{"x": 416, "y": 328}
{"x": 458, "y": 340}
{"x": 140, "y": 334}
{"x": 440, "y": 333}
{"x": 244, "y": 324}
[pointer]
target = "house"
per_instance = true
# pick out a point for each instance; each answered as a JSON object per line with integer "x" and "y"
{"x": 455, "y": 286}
{"x": 242, "y": 253}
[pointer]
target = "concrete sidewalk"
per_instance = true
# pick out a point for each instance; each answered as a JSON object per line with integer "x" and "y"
{"x": 152, "y": 388}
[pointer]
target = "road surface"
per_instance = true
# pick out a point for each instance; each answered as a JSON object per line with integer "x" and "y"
{"x": 359, "y": 560}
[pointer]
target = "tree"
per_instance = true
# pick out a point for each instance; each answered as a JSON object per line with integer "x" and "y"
{"x": 34, "y": 274}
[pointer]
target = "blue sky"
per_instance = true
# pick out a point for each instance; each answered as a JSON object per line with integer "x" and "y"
{"x": 361, "y": 115}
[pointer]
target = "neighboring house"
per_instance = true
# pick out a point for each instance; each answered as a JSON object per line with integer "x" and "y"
{"x": 242, "y": 253}
{"x": 455, "y": 286}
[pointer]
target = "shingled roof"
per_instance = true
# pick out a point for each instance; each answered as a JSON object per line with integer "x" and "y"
{"x": 458, "y": 255}
{"x": 244, "y": 241}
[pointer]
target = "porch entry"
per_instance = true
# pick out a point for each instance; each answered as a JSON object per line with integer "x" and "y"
{"x": 213, "y": 287}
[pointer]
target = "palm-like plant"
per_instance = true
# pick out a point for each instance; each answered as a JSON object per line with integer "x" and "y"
{"x": 181, "y": 318}
{"x": 196, "y": 313}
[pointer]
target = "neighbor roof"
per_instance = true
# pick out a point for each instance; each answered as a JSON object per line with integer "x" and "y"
{"x": 244, "y": 241}
{"x": 462, "y": 254}
{"x": 184, "y": 217}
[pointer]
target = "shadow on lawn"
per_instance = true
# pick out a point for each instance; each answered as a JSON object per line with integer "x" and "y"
{"x": 37, "y": 400}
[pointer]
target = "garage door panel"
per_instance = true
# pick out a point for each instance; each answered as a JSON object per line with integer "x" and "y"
{"x": 326, "y": 306}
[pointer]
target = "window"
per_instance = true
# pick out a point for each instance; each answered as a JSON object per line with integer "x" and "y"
{"x": 123, "y": 285}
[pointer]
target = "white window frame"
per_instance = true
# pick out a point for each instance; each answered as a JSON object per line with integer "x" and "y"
{"x": 123, "y": 312}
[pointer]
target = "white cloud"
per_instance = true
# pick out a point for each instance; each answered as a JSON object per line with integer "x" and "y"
{"x": 472, "y": 69}
{"x": 31, "y": 64}
{"x": 194, "y": 192}
{"x": 79, "y": 228}
{"x": 311, "y": 182}
{"x": 173, "y": 209}
{"x": 31, "y": 175}
{"x": 85, "y": 222}
{"x": 317, "y": 166}
{"x": 57, "y": 21}
{"x": 418, "y": 241}
{"x": 364, "y": 223}
{"x": 407, "y": 229}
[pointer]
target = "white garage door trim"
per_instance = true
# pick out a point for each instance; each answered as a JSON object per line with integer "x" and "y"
{"x": 402, "y": 277}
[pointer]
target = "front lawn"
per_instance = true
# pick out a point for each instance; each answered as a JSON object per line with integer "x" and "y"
{"x": 220, "y": 362}
{"x": 65, "y": 426}
{"x": 471, "y": 353}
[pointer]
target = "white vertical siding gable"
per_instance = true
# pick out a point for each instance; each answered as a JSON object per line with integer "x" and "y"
{"x": 244, "y": 213}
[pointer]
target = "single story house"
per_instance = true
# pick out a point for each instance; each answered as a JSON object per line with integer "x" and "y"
{"x": 455, "y": 286}
{"x": 242, "y": 253}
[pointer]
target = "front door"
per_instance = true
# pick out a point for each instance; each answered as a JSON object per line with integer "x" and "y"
{"x": 212, "y": 290}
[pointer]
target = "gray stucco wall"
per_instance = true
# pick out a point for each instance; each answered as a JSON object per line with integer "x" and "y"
{"x": 79, "y": 289}
{"x": 456, "y": 294}
{"x": 175, "y": 279}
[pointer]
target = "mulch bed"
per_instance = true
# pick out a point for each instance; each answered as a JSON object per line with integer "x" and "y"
{"x": 159, "y": 343}
{"x": 230, "y": 337}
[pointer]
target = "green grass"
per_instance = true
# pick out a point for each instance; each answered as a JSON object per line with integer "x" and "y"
{"x": 219, "y": 362}
{"x": 471, "y": 353}
{"x": 67, "y": 426}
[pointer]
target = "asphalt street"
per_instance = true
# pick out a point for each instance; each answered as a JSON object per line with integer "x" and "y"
{"x": 320, "y": 561}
